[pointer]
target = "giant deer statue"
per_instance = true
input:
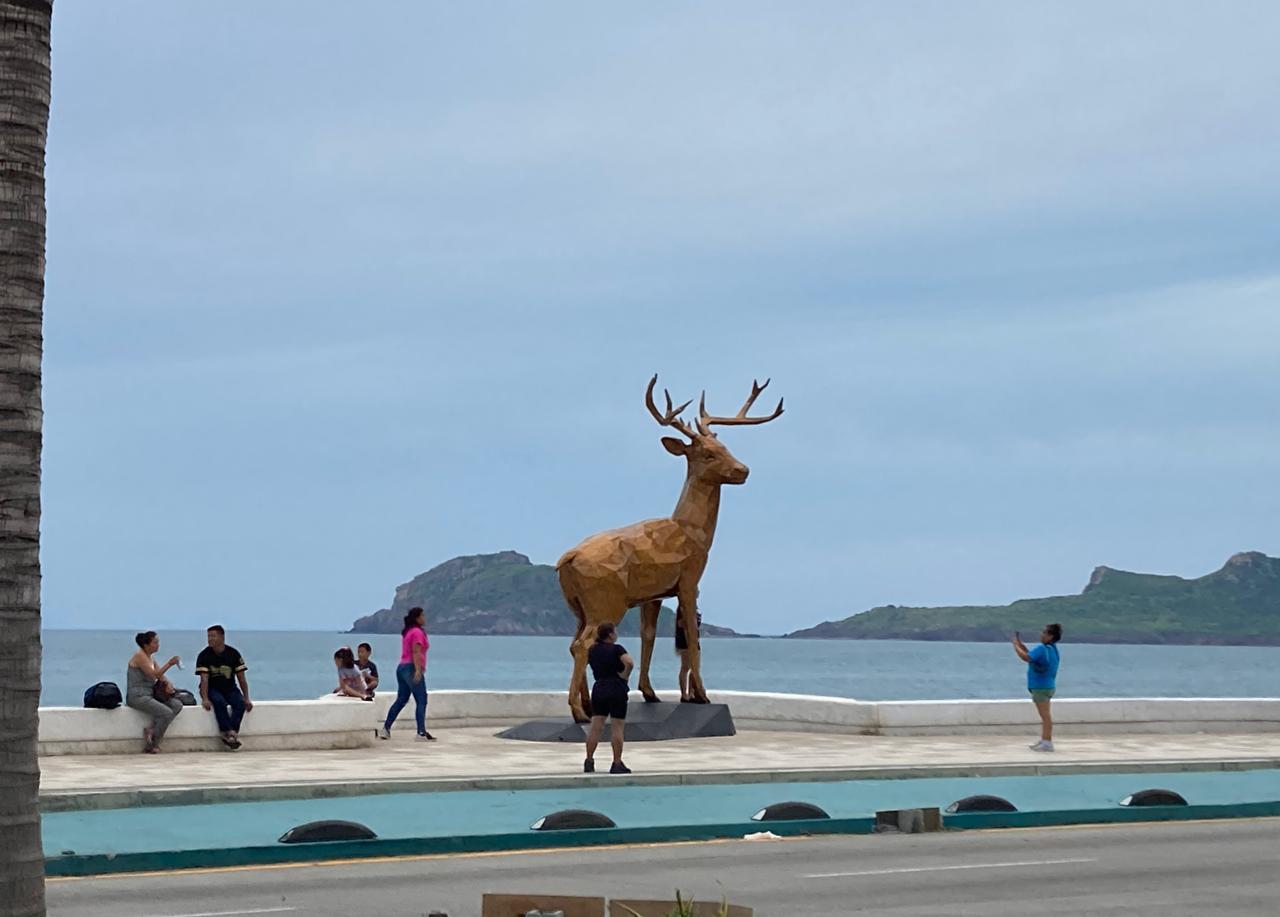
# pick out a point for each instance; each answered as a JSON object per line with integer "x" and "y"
{"x": 658, "y": 559}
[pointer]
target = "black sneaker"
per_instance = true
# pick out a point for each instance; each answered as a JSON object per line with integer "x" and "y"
{"x": 426, "y": 737}
{"x": 619, "y": 768}
{"x": 589, "y": 766}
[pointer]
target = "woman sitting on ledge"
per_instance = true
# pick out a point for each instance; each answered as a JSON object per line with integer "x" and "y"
{"x": 146, "y": 686}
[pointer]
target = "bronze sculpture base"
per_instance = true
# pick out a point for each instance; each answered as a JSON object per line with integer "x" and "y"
{"x": 645, "y": 723}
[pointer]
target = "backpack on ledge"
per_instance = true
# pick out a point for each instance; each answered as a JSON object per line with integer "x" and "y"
{"x": 105, "y": 695}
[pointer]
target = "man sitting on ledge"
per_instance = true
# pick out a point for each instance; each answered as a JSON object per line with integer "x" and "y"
{"x": 216, "y": 665}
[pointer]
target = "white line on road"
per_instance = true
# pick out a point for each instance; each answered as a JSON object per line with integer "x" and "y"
{"x": 259, "y": 910}
{"x": 890, "y": 872}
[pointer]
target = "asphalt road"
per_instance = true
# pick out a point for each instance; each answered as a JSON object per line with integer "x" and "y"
{"x": 1192, "y": 868}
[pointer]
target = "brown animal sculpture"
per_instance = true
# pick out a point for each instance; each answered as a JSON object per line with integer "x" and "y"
{"x": 645, "y": 563}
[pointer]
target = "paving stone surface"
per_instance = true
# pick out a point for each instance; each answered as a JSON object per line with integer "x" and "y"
{"x": 476, "y": 754}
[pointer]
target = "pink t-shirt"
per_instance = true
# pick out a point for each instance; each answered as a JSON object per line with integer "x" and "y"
{"x": 414, "y": 636}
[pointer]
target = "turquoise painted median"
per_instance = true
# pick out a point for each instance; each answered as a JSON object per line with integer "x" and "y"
{"x": 172, "y": 837}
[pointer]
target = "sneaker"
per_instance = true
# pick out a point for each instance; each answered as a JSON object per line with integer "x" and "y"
{"x": 426, "y": 737}
{"x": 1042, "y": 746}
{"x": 589, "y": 766}
{"x": 382, "y": 732}
{"x": 619, "y": 768}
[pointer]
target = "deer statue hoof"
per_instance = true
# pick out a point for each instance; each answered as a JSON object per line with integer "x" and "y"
{"x": 701, "y": 700}
{"x": 651, "y": 698}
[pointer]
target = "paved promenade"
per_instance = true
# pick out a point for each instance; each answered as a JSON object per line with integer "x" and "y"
{"x": 474, "y": 757}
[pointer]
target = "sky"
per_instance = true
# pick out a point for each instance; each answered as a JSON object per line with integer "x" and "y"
{"x": 333, "y": 298}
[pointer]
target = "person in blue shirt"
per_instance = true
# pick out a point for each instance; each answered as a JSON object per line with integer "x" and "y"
{"x": 1042, "y": 677}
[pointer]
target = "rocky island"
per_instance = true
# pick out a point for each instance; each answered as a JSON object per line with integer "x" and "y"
{"x": 503, "y": 593}
{"x": 1235, "y": 605}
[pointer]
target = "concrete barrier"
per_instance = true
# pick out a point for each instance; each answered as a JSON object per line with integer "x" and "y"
{"x": 333, "y": 722}
{"x": 279, "y": 725}
{"x": 1081, "y": 716}
{"x": 760, "y": 711}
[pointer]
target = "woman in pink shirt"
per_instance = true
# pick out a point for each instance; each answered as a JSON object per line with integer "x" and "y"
{"x": 411, "y": 674}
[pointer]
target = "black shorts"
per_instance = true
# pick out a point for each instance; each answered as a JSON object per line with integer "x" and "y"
{"x": 609, "y": 698}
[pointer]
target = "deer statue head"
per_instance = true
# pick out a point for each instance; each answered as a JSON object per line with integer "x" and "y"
{"x": 710, "y": 461}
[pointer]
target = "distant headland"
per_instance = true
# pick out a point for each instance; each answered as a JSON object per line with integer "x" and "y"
{"x": 1235, "y": 605}
{"x": 503, "y": 593}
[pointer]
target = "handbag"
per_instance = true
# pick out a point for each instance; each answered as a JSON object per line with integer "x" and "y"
{"x": 163, "y": 690}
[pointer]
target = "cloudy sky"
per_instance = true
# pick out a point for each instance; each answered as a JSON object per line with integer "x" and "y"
{"x": 333, "y": 297}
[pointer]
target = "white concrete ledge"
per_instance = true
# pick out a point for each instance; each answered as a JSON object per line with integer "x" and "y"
{"x": 333, "y": 722}
{"x": 758, "y": 711}
{"x": 279, "y": 725}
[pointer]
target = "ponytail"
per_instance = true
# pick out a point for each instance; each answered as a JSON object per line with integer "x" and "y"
{"x": 412, "y": 619}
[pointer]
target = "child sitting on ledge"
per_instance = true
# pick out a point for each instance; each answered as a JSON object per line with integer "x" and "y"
{"x": 351, "y": 681}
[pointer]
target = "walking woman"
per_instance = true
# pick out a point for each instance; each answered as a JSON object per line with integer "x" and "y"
{"x": 411, "y": 674}
{"x": 611, "y": 665}
{"x": 143, "y": 677}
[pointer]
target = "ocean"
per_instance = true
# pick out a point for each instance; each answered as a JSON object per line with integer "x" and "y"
{"x": 290, "y": 665}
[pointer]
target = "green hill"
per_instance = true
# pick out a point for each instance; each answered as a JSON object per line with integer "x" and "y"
{"x": 1237, "y": 604}
{"x": 500, "y": 593}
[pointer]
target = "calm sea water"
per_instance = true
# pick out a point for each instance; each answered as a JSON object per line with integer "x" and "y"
{"x": 299, "y": 664}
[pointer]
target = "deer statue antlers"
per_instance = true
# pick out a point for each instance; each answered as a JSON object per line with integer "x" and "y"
{"x": 706, "y": 420}
{"x": 671, "y": 418}
{"x": 645, "y": 563}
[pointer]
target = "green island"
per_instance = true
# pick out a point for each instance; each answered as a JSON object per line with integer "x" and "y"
{"x": 1237, "y": 604}
{"x": 503, "y": 593}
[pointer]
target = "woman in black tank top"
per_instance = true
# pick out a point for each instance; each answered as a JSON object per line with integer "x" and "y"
{"x": 611, "y": 665}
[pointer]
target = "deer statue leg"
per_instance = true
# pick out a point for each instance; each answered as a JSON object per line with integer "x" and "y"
{"x": 578, "y": 680}
{"x": 688, "y": 614}
{"x": 648, "y": 631}
{"x": 579, "y": 697}
{"x": 603, "y": 605}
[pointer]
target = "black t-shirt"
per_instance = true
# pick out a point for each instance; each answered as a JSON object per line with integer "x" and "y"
{"x": 220, "y": 667}
{"x": 680, "y": 623}
{"x": 367, "y": 668}
{"x": 605, "y": 660}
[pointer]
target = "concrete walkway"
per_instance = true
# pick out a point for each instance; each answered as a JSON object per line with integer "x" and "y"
{"x": 467, "y": 758}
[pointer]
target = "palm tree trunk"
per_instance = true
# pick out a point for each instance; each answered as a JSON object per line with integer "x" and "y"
{"x": 24, "y": 124}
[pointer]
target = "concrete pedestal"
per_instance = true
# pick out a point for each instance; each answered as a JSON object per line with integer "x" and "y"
{"x": 645, "y": 723}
